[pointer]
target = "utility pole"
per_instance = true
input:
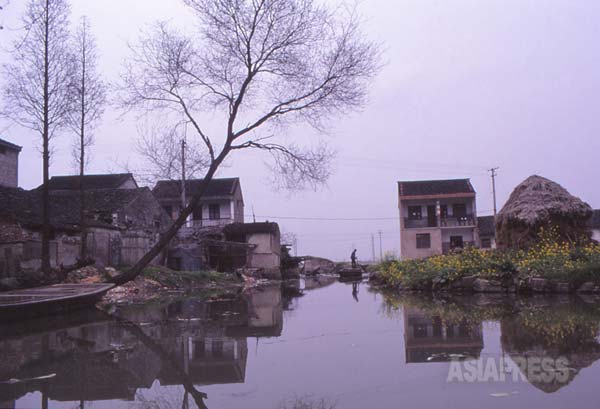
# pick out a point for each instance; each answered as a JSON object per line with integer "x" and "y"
{"x": 183, "y": 204}
{"x": 372, "y": 247}
{"x": 380, "y": 247}
{"x": 494, "y": 174}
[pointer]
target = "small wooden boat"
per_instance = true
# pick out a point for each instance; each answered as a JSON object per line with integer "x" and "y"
{"x": 350, "y": 272}
{"x": 52, "y": 299}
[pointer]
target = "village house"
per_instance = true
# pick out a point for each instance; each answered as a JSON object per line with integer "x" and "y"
{"x": 436, "y": 216}
{"x": 222, "y": 202}
{"x": 122, "y": 223}
{"x": 9, "y": 164}
{"x": 486, "y": 226}
{"x": 215, "y": 235}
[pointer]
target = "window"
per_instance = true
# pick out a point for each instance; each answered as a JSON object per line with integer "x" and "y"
{"x": 459, "y": 210}
{"x": 214, "y": 211}
{"x": 486, "y": 243}
{"x": 169, "y": 210}
{"x": 414, "y": 212}
{"x": 423, "y": 241}
{"x": 456, "y": 242}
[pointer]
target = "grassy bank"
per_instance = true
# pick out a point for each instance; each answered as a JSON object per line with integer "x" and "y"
{"x": 549, "y": 259}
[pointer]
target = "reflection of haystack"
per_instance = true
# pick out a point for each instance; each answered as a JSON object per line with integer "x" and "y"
{"x": 541, "y": 203}
{"x": 579, "y": 347}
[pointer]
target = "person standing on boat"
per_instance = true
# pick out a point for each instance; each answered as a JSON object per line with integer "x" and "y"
{"x": 353, "y": 258}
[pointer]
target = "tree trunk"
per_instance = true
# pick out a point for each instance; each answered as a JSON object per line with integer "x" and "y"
{"x": 166, "y": 238}
{"x": 82, "y": 225}
{"x": 46, "y": 153}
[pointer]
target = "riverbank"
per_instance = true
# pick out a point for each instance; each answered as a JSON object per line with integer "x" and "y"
{"x": 549, "y": 267}
{"x": 159, "y": 282}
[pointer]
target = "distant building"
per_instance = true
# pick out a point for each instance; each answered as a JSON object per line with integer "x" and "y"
{"x": 487, "y": 232}
{"x": 221, "y": 204}
{"x": 436, "y": 216}
{"x": 9, "y": 164}
{"x": 594, "y": 224}
{"x": 93, "y": 182}
{"x": 264, "y": 245}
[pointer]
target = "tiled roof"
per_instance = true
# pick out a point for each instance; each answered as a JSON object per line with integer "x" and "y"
{"x": 168, "y": 189}
{"x": 435, "y": 187}
{"x": 9, "y": 145}
{"x": 107, "y": 181}
{"x": 236, "y": 229}
{"x": 487, "y": 225}
{"x": 25, "y": 207}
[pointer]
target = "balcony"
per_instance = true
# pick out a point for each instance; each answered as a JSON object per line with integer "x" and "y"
{"x": 464, "y": 221}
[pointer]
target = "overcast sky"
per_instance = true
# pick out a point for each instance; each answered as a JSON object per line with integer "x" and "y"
{"x": 468, "y": 85}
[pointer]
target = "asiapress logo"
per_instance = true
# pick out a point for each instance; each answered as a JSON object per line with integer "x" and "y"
{"x": 490, "y": 369}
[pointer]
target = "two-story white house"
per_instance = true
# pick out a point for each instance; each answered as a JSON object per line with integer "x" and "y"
{"x": 436, "y": 216}
{"x": 221, "y": 204}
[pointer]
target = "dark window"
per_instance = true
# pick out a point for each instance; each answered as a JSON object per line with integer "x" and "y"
{"x": 444, "y": 211}
{"x": 423, "y": 241}
{"x": 214, "y": 211}
{"x": 414, "y": 212}
{"x": 459, "y": 210}
{"x": 169, "y": 210}
{"x": 456, "y": 242}
{"x": 486, "y": 243}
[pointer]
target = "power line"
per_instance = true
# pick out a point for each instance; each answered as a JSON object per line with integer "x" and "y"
{"x": 327, "y": 218}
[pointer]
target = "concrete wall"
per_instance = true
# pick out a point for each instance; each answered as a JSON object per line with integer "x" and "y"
{"x": 596, "y": 234}
{"x": 408, "y": 243}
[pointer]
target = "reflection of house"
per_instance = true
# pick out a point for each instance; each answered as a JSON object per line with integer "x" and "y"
{"x": 594, "y": 224}
{"x": 122, "y": 225}
{"x": 427, "y": 338}
{"x": 9, "y": 164}
{"x": 222, "y": 202}
{"x": 436, "y": 216}
{"x": 96, "y": 357}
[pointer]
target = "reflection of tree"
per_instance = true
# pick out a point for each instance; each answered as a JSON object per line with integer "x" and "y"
{"x": 563, "y": 331}
{"x": 189, "y": 387}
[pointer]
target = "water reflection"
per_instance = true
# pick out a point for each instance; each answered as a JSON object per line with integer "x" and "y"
{"x": 189, "y": 346}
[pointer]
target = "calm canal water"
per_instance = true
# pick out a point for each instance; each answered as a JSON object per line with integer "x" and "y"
{"x": 313, "y": 344}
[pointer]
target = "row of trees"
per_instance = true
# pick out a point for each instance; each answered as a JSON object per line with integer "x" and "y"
{"x": 52, "y": 84}
{"x": 259, "y": 65}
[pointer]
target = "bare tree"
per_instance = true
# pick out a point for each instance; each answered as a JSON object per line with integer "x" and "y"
{"x": 88, "y": 92}
{"x": 37, "y": 84}
{"x": 261, "y": 63}
{"x": 160, "y": 147}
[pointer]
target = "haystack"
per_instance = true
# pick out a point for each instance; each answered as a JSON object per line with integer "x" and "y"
{"x": 541, "y": 203}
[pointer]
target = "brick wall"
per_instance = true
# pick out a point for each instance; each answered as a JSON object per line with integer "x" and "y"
{"x": 9, "y": 165}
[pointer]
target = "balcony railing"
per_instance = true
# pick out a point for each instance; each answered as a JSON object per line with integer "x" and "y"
{"x": 424, "y": 222}
{"x": 447, "y": 246}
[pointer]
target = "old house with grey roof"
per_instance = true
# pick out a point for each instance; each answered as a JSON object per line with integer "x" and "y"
{"x": 122, "y": 222}
{"x": 9, "y": 164}
{"x": 436, "y": 216}
{"x": 215, "y": 235}
{"x": 486, "y": 226}
{"x": 222, "y": 202}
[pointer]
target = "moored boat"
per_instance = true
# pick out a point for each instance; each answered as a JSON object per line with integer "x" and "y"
{"x": 52, "y": 299}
